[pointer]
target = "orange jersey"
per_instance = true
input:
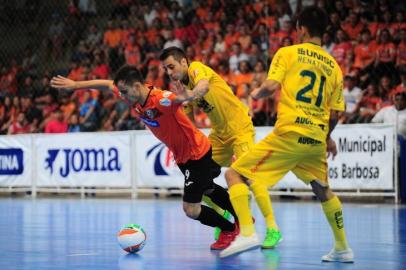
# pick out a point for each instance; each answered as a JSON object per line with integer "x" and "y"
{"x": 168, "y": 122}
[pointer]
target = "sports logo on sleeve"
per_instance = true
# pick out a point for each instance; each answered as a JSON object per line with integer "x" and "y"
{"x": 165, "y": 102}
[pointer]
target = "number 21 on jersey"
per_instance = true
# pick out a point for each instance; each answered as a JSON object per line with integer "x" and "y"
{"x": 300, "y": 96}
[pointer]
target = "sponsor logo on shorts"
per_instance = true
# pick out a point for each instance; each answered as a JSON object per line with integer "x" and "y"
{"x": 303, "y": 121}
{"x": 307, "y": 140}
{"x": 188, "y": 183}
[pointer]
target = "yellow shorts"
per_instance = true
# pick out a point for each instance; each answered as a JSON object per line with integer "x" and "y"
{"x": 224, "y": 148}
{"x": 276, "y": 155}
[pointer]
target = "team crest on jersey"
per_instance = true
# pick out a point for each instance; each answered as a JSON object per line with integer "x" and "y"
{"x": 165, "y": 102}
{"x": 152, "y": 113}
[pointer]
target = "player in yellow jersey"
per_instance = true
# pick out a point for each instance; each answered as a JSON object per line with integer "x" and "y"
{"x": 311, "y": 97}
{"x": 232, "y": 131}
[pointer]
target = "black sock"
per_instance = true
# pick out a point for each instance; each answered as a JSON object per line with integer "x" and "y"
{"x": 221, "y": 197}
{"x": 211, "y": 218}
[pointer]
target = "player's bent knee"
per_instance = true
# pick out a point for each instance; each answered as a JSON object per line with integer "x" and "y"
{"x": 322, "y": 191}
{"x": 192, "y": 210}
{"x": 232, "y": 177}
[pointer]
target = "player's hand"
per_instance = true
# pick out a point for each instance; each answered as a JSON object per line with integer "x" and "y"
{"x": 178, "y": 88}
{"x": 331, "y": 148}
{"x": 255, "y": 93}
{"x": 62, "y": 82}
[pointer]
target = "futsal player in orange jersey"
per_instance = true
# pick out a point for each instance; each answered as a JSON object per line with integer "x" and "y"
{"x": 168, "y": 122}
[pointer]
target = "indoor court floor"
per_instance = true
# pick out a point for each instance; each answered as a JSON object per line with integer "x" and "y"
{"x": 78, "y": 233}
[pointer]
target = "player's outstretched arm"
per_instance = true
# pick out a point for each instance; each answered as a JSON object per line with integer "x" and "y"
{"x": 183, "y": 94}
{"x": 60, "y": 82}
{"x": 266, "y": 89}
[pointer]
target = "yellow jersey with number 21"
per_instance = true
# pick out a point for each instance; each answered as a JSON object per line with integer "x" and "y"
{"x": 312, "y": 85}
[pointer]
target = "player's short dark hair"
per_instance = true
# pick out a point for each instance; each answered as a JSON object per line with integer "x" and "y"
{"x": 176, "y": 52}
{"x": 314, "y": 19}
{"x": 129, "y": 75}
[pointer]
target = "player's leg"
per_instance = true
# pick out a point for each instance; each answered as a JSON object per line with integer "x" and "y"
{"x": 198, "y": 181}
{"x": 313, "y": 165}
{"x": 333, "y": 211}
{"x": 264, "y": 165}
{"x": 242, "y": 144}
{"x": 239, "y": 192}
{"x": 221, "y": 154}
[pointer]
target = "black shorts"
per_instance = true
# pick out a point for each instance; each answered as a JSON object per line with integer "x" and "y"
{"x": 199, "y": 175}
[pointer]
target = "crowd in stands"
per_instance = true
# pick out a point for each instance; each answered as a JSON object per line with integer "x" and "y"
{"x": 237, "y": 38}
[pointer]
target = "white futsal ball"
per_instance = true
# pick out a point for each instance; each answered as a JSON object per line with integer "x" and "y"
{"x": 132, "y": 238}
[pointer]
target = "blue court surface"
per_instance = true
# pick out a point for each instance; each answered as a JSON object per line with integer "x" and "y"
{"x": 81, "y": 234}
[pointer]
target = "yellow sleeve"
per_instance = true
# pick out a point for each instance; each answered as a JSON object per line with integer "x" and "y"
{"x": 337, "y": 98}
{"x": 279, "y": 66}
{"x": 198, "y": 71}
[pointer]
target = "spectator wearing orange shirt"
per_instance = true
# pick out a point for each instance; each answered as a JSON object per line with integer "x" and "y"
{"x": 99, "y": 69}
{"x": 365, "y": 51}
{"x": 245, "y": 38}
{"x": 244, "y": 76}
{"x": 67, "y": 107}
{"x": 258, "y": 109}
{"x": 342, "y": 47}
{"x": 132, "y": 51}
{"x": 385, "y": 55}
{"x": 352, "y": 27}
{"x": 210, "y": 23}
{"x": 368, "y": 24}
{"x": 113, "y": 35}
{"x": 401, "y": 50}
{"x": 112, "y": 40}
{"x": 369, "y": 104}
{"x": 126, "y": 31}
{"x": 231, "y": 36}
{"x": 385, "y": 89}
